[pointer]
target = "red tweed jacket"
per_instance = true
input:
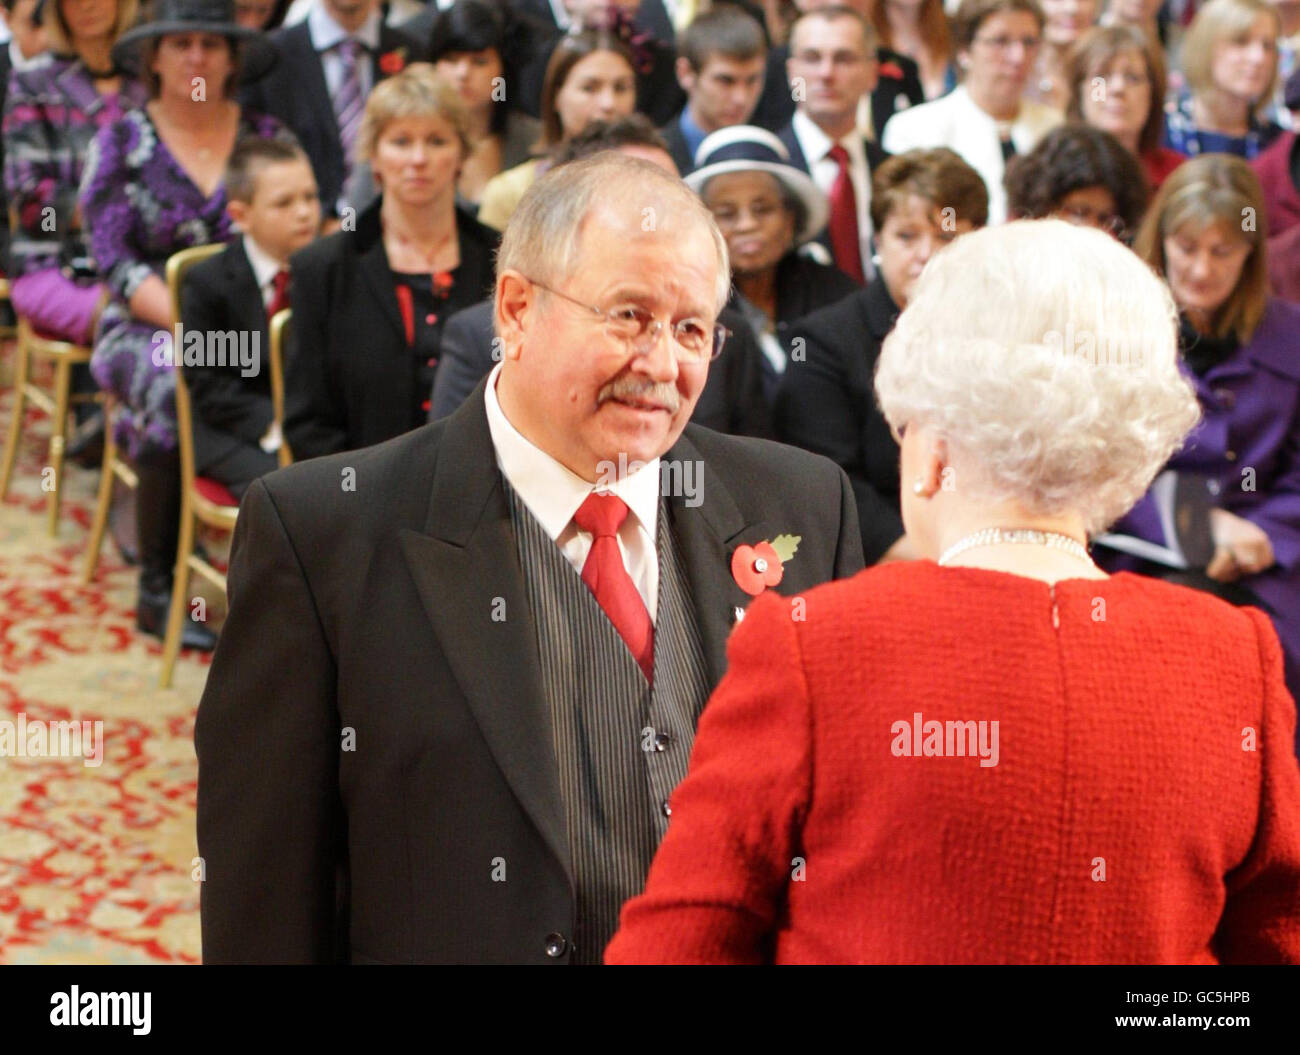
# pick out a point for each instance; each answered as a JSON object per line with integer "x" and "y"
{"x": 1144, "y": 806}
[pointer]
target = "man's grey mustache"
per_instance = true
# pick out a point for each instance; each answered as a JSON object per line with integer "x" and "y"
{"x": 629, "y": 387}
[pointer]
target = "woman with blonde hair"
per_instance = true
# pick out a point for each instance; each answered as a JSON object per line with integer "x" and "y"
{"x": 386, "y": 288}
{"x": 940, "y": 760}
{"x": 1240, "y": 347}
{"x": 1229, "y": 57}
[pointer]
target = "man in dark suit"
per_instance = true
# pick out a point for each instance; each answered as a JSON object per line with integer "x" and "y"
{"x": 272, "y": 197}
{"x": 318, "y": 88}
{"x": 462, "y": 669}
{"x": 832, "y": 65}
{"x": 898, "y": 87}
{"x": 720, "y": 61}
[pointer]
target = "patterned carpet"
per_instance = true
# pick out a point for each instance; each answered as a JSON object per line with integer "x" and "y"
{"x": 95, "y": 861}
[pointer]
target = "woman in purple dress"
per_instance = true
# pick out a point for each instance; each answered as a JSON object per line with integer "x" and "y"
{"x": 153, "y": 185}
{"x": 1241, "y": 349}
{"x": 53, "y": 110}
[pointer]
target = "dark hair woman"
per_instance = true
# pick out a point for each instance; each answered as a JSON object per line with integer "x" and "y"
{"x": 472, "y": 45}
{"x": 1080, "y": 174}
{"x": 591, "y": 76}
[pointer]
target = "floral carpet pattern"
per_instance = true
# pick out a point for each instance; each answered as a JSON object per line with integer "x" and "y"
{"x": 95, "y": 860}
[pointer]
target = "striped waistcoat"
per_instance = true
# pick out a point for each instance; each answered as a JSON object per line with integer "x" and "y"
{"x": 621, "y": 746}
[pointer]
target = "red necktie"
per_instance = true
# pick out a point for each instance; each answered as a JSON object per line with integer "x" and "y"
{"x": 279, "y": 293}
{"x": 602, "y": 515}
{"x": 845, "y": 244}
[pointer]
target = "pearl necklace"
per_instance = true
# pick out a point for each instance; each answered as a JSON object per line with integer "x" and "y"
{"x": 997, "y": 536}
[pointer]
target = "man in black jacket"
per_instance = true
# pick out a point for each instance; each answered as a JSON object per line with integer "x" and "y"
{"x": 231, "y": 297}
{"x": 314, "y": 79}
{"x": 462, "y": 669}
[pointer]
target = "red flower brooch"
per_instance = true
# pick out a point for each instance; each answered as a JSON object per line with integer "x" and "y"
{"x": 391, "y": 62}
{"x": 761, "y": 565}
{"x": 890, "y": 69}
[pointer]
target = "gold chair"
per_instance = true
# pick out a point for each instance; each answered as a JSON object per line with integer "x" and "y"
{"x": 113, "y": 467}
{"x": 64, "y": 355}
{"x": 205, "y": 501}
{"x": 280, "y": 334}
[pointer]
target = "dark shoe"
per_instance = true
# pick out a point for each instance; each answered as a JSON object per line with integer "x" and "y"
{"x": 86, "y": 448}
{"x": 151, "y": 618}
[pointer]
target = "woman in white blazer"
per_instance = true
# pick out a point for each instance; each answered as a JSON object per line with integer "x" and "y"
{"x": 985, "y": 119}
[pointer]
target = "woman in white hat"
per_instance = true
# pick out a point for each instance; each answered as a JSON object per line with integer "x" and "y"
{"x": 766, "y": 209}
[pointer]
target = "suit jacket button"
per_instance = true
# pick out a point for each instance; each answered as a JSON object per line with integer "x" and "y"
{"x": 668, "y": 810}
{"x": 662, "y": 740}
{"x": 556, "y": 945}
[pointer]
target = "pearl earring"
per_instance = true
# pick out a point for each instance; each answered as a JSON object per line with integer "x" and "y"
{"x": 918, "y": 487}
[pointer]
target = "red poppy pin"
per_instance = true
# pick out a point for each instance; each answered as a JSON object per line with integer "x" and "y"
{"x": 891, "y": 69}
{"x": 391, "y": 62}
{"x": 761, "y": 565}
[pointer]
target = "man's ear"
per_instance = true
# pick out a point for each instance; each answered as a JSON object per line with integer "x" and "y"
{"x": 516, "y": 308}
{"x": 238, "y": 213}
{"x": 685, "y": 73}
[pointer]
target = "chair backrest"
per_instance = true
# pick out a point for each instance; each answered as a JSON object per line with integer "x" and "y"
{"x": 280, "y": 334}
{"x": 178, "y": 264}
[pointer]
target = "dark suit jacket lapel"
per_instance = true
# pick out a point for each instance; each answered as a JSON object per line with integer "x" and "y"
{"x": 373, "y": 263}
{"x": 466, "y": 559}
{"x": 309, "y": 75}
{"x": 707, "y": 535}
{"x": 244, "y": 292}
{"x": 791, "y": 141}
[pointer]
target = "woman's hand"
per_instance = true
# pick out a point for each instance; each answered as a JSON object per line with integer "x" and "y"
{"x": 1240, "y": 547}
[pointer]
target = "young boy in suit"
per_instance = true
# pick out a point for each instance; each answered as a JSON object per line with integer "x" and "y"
{"x": 272, "y": 198}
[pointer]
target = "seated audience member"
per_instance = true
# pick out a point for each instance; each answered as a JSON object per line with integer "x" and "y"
{"x": 153, "y": 185}
{"x": 1278, "y": 169}
{"x": 833, "y": 55}
{"x": 473, "y": 44}
{"x": 985, "y": 119}
{"x": 590, "y": 78}
{"x": 1064, "y": 22}
{"x": 28, "y": 38}
{"x": 329, "y": 63}
{"x": 388, "y": 287}
{"x": 1082, "y": 175}
{"x": 658, "y": 94}
{"x": 53, "y": 110}
{"x": 271, "y": 196}
{"x": 720, "y": 63}
{"x": 1229, "y": 57}
{"x": 897, "y": 87}
{"x": 826, "y": 403}
{"x": 919, "y": 30}
{"x": 1142, "y": 15}
{"x": 1241, "y": 349}
{"x": 506, "y": 600}
{"x": 766, "y": 209}
{"x": 1117, "y": 83}
{"x": 732, "y": 400}
{"x": 989, "y": 659}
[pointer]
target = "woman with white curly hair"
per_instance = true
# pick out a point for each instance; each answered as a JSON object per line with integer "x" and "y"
{"x": 997, "y": 754}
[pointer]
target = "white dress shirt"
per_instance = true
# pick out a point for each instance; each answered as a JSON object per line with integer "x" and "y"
{"x": 265, "y": 268}
{"x": 956, "y": 122}
{"x": 399, "y": 11}
{"x": 553, "y": 494}
{"x": 326, "y": 33}
{"x": 815, "y": 145}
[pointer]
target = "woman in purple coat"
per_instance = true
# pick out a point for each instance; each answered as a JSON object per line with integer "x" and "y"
{"x": 1241, "y": 349}
{"x": 155, "y": 184}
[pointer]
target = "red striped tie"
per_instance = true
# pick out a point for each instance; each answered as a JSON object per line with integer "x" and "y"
{"x": 601, "y": 515}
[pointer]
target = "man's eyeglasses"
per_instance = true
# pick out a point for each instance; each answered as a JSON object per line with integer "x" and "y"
{"x": 694, "y": 340}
